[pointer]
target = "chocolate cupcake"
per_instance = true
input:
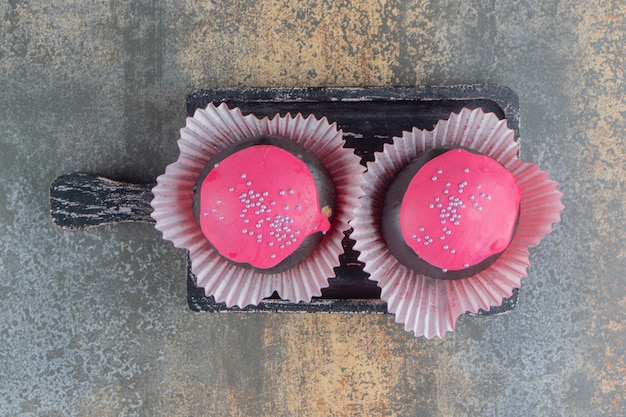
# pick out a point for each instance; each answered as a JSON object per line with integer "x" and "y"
{"x": 264, "y": 203}
{"x": 301, "y": 188}
{"x": 411, "y": 276}
{"x": 450, "y": 213}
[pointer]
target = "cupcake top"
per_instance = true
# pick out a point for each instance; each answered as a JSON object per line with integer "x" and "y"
{"x": 260, "y": 200}
{"x": 456, "y": 208}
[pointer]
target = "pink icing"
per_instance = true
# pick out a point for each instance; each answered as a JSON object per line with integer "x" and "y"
{"x": 459, "y": 209}
{"x": 258, "y": 205}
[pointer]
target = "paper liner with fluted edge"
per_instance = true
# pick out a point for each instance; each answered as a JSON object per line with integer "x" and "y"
{"x": 206, "y": 133}
{"x": 430, "y": 307}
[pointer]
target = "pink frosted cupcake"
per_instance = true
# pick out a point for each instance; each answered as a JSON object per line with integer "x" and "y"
{"x": 447, "y": 220}
{"x": 260, "y": 204}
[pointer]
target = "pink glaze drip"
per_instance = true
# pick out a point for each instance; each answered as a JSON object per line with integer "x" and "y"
{"x": 258, "y": 205}
{"x": 459, "y": 209}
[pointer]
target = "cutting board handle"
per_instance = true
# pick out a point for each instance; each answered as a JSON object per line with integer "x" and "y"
{"x": 81, "y": 201}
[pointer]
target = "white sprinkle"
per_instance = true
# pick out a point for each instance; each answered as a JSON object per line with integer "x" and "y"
{"x": 421, "y": 229}
{"x": 447, "y": 184}
{"x": 265, "y": 193}
{"x": 244, "y": 231}
{"x": 216, "y": 165}
{"x": 221, "y": 217}
{"x": 466, "y": 170}
{"x": 440, "y": 171}
{"x": 270, "y": 244}
{"x": 272, "y": 256}
{"x": 231, "y": 189}
{"x": 281, "y": 192}
{"x": 434, "y": 178}
{"x": 206, "y": 213}
{"x": 444, "y": 270}
{"x": 453, "y": 251}
{"x": 290, "y": 191}
{"x": 445, "y": 247}
{"x": 243, "y": 175}
{"x": 466, "y": 265}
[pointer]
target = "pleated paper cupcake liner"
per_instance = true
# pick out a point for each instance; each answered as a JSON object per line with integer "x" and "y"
{"x": 208, "y": 132}
{"x": 430, "y": 307}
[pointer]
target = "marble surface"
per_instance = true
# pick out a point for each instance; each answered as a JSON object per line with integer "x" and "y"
{"x": 96, "y": 322}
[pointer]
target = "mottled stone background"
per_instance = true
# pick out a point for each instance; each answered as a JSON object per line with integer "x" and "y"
{"x": 95, "y": 323}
